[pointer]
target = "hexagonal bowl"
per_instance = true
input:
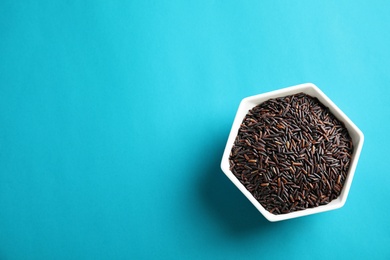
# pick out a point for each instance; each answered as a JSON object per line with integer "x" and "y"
{"x": 312, "y": 90}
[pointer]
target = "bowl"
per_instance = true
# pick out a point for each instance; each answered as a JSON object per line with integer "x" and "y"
{"x": 312, "y": 90}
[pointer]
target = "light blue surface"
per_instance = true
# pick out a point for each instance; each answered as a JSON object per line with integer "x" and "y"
{"x": 114, "y": 117}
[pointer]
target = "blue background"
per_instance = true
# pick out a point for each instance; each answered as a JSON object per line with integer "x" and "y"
{"x": 114, "y": 117}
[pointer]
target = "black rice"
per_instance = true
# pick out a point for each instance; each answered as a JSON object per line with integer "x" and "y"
{"x": 292, "y": 153}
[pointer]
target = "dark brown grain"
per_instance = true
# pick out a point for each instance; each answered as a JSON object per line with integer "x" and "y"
{"x": 291, "y": 153}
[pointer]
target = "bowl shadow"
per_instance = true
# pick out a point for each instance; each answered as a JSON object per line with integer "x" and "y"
{"x": 223, "y": 200}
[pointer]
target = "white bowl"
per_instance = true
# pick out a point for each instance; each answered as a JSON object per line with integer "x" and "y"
{"x": 312, "y": 90}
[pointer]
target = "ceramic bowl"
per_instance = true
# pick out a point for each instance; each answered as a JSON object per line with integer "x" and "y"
{"x": 312, "y": 90}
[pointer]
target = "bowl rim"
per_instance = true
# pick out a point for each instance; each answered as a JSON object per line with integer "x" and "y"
{"x": 309, "y": 88}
